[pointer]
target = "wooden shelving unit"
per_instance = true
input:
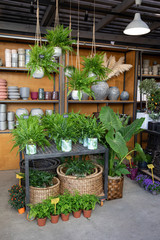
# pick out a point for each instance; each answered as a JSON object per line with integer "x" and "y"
{"x": 29, "y": 101}
{"x": 99, "y": 101}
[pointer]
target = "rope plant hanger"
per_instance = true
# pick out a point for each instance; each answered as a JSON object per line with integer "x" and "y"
{"x": 70, "y": 36}
{"x": 38, "y": 39}
{"x": 93, "y": 52}
{"x": 78, "y": 57}
{"x": 56, "y": 22}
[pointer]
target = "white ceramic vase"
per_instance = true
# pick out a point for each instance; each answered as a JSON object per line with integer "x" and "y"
{"x": 75, "y": 95}
{"x": 57, "y": 52}
{"x": 92, "y": 143}
{"x": 66, "y": 145}
{"x": 39, "y": 73}
{"x": 31, "y": 149}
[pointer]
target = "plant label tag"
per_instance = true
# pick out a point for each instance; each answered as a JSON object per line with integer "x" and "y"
{"x": 129, "y": 158}
{"x": 54, "y": 200}
{"x": 150, "y": 166}
{"x": 18, "y": 176}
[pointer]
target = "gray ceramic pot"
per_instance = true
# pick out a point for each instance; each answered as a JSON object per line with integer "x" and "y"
{"x": 113, "y": 93}
{"x": 124, "y": 95}
{"x": 100, "y": 90}
{"x": 85, "y": 96}
{"x": 24, "y": 91}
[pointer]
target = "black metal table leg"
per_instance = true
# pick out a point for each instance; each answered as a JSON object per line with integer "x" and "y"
{"x": 27, "y": 182}
{"x": 106, "y": 159}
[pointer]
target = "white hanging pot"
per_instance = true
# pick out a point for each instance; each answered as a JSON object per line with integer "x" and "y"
{"x": 39, "y": 73}
{"x": 74, "y": 95}
{"x": 92, "y": 143}
{"x": 66, "y": 145}
{"x": 31, "y": 149}
{"x": 57, "y": 52}
{"x": 85, "y": 142}
{"x": 91, "y": 74}
{"x": 68, "y": 72}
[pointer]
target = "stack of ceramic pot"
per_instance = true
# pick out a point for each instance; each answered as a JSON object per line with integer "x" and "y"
{"x": 7, "y": 57}
{"x": 21, "y": 57}
{"x": 146, "y": 66}
{"x": 11, "y": 120}
{"x": 27, "y": 56}
{"x": 13, "y": 93}
{"x": 155, "y": 68}
{"x": 3, "y": 89}
{"x": 3, "y": 117}
{"x": 14, "y": 58}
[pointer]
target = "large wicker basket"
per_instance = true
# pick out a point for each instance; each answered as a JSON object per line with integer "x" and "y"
{"x": 91, "y": 184}
{"x": 39, "y": 194}
{"x": 115, "y": 187}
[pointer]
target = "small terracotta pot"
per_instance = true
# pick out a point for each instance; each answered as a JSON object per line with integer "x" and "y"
{"x": 77, "y": 214}
{"x": 41, "y": 222}
{"x": 21, "y": 210}
{"x": 87, "y": 213}
{"x": 64, "y": 217}
{"x": 54, "y": 218}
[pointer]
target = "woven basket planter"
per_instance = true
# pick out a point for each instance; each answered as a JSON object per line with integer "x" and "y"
{"x": 115, "y": 187}
{"x": 37, "y": 195}
{"x": 91, "y": 184}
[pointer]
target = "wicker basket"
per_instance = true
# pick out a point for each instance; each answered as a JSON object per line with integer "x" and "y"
{"x": 91, "y": 184}
{"x": 39, "y": 194}
{"x": 115, "y": 187}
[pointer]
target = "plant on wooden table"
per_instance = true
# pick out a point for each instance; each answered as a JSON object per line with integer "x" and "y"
{"x": 17, "y": 196}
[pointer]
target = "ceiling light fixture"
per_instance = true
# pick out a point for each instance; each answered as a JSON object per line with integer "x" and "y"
{"x": 137, "y": 26}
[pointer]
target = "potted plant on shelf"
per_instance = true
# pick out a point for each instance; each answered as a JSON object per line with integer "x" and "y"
{"x": 59, "y": 39}
{"x": 39, "y": 211}
{"x": 147, "y": 86}
{"x": 78, "y": 83}
{"x": 77, "y": 205}
{"x": 94, "y": 66}
{"x": 28, "y": 134}
{"x": 41, "y": 61}
{"x": 17, "y": 198}
{"x": 89, "y": 203}
{"x": 154, "y": 106}
{"x": 116, "y": 138}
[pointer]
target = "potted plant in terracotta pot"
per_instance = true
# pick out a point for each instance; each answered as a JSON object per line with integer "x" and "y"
{"x": 28, "y": 134}
{"x": 94, "y": 66}
{"x": 39, "y": 211}
{"x": 89, "y": 203}
{"x": 17, "y": 198}
{"x": 77, "y": 205}
{"x": 41, "y": 61}
{"x": 116, "y": 138}
{"x": 65, "y": 205}
{"x": 60, "y": 40}
{"x": 80, "y": 82}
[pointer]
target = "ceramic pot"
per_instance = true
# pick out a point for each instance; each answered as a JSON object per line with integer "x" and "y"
{"x": 41, "y": 222}
{"x": 85, "y": 96}
{"x": 133, "y": 172}
{"x": 31, "y": 149}
{"x": 54, "y": 218}
{"x": 92, "y": 143}
{"x": 47, "y": 96}
{"x": 36, "y": 112}
{"x": 22, "y": 111}
{"x": 3, "y": 117}
{"x": 3, "y": 125}
{"x": 55, "y": 95}
{"x": 142, "y": 165}
{"x": 34, "y": 95}
{"x": 77, "y": 214}
{"x": 100, "y": 90}
{"x": 87, "y": 213}
{"x": 113, "y": 93}
{"x": 85, "y": 142}
{"x": 124, "y": 95}
{"x": 91, "y": 74}
{"x": 21, "y": 210}
{"x": 10, "y": 116}
{"x": 147, "y": 119}
{"x": 24, "y": 92}
{"x": 39, "y": 73}
{"x": 57, "y": 52}
{"x": 80, "y": 140}
{"x": 3, "y": 108}
{"x": 49, "y": 112}
{"x": 68, "y": 72}
{"x": 64, "y": 217}
{"x": 74, "y": 95}
{"x": 66, "y": 145}
{"x": 11, "y": 125}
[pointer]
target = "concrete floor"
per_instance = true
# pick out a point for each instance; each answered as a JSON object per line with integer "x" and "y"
{"x": 136, "y": 216}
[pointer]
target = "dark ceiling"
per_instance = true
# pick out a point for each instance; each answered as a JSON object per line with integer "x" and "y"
{"x": 112, "y": 16}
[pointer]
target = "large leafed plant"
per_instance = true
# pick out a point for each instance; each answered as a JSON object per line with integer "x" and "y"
{"x": 116, "y": 139}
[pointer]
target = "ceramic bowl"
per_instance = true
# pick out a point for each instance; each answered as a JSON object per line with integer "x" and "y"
{"x": 36, "y": 112}
{"x": 22, "y": 111}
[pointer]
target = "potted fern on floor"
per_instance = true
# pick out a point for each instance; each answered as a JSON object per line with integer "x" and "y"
{"x": 89, "y": 203}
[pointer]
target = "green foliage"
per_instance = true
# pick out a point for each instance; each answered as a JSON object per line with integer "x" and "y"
{"x": 95, "y": 65}
{"x": 17, "y": 196}
{"x": 139, "y": 158}
{"x": 89, "y": 201}
{"x": 29, "y": 131}
{"x": 59, "y": 37}
{"x": 93, "y": 128}
{"x": 80, "y": 81}
{"x": 77, "y": 202}
{"x": 116, "y": 138}
{"x": 39, "y": 210}
{"x": 154, "y": 104}
{"x": 78, "y": 167}
{"x": 65, "y": 203}
{"x": 42, "y": 57}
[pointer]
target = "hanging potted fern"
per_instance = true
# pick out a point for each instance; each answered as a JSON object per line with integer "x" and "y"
{"x": 59, "y": 39}
{"x": 41, "y": 61}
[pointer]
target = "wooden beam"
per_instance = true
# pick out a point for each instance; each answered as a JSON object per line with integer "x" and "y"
{"x": 108, "y": 18}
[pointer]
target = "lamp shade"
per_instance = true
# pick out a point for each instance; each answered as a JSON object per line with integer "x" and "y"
{"x": 137, "y": 26}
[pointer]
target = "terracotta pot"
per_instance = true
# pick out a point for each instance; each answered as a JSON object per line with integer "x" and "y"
{"x": 64, "y": 217}
{"x": 21, "y": 210}
{"x": 87, "y": 213}
{"x": 41, "y": 222}
{"x": 54, "y": 218}
{"x": 77, "y": 214}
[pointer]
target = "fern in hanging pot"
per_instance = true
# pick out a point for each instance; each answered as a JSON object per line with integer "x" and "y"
{"x": 59, "y": 39}
{"x": 41, "y": 61}
{"x": 68, "y": 70}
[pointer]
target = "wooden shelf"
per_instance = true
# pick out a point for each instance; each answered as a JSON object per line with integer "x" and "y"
{"x": 149, "y": 76}
{"x": 5, "y": 131}
{"x": 100, "y": 101}
{"x": 13, "y": 69}
{"x": 150, "y": 174}
{"x": 29, "y": 101}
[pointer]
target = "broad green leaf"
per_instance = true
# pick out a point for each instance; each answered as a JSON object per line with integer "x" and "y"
{"x": 140, "y": 151}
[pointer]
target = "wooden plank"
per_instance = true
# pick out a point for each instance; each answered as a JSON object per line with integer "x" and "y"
{"x": 150, "y": 174}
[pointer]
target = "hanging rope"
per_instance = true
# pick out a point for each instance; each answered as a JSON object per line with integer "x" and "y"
{"x": 70, "y": 34}
{"x": 56, "y": 22}
{"x": 93, "y": 52}
{"x": 78, "y": 57}
{"x": 38, "y": 39}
